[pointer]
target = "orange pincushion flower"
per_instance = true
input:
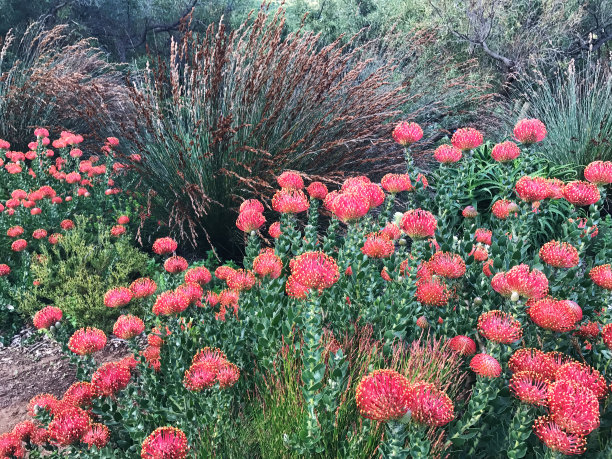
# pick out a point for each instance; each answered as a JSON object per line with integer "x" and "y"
{"x": 602, "y": 276}
{"x": 68, "y": 426}
{"x": 485, "y": 365}
{"x": 529, "y": 131}
{"x": 500, "y": 327}
{"x": 573, "y": 407}
{"x": 377, "y": 246}
{"x": 47, "y": 316}
{"x": 274, "y": 230}
{"x": 581, "y": 193}
{"x": 118, "y": 297}
{"x": 383, "y": 395}
{"x": 530, "y": 387}
{"x": 250, "y": 220}
{"x": 110, "y": 378}
{"x": 164, "y": 246}
{"x": 79, "y": 394}
{"x": 429, "y": 405}
{"x": 556, "y": 439}
{"x": 467, "y": 138}
{"x": 200, "y": 376}
{"x": 532, "y": 189}
{"x": 199, "y": 275}
{"x": 599, "y": 172}
{"x": 349, "y": 207}
{"x": 128, "y": 326}
{"x": 406, "y": 133}
{"x": 86, "y": 341}
{"x": 267, "y": 263}
{"x": 559, "y": 254}
{"x": 240, "y": 280}
{"x": 462, "y": 344}
{"x": 97, "y": 434}
{"x": 175, "y": 264}
{"x": 192, "y": 291}
{"x": 432, "y": 292}
{"x": 396, "y": 183}
{"x": 447, "y": 154}
{"x": 314, "y": 270}
{"x": 169, "y": 302}
{"x": 449, "y": 265}
{"x": 419, "y": 224}
{"x": 143, "y": 287}
{"x": 165, "y": 443}
{"x": 585, "y": 376}
{"x": 288, "y": 201}
{"x": 290, "y": 180}
{"x": 317, "y": 190}
{"x": 14, "y": 231}
{"x": 552, "y": 314}
{"x": 505, "y": 152}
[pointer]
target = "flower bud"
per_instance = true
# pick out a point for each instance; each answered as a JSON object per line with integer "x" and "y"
{"x": 514, "y": 297}
{"x": 477, "y": 301}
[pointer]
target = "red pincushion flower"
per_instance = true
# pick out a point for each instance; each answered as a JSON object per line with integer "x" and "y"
{"x": 486, "y": 268}
{"x": 573, "y": 407}
{"x": 505, "y": 152}
{"x": 200, "y": 376}
{"x": 290, "y": 180}
{"x": 14, "y": 231}
{"x": 79, "y": 394}
{"x": 519, "y": 279}
{"x": 462, "y": 344}
{"x": 396, "y": 183}
{"x": 143, "y": 287}
{"x": 86, "y": 341}
{"x": 581, "y": 193}
{"x": 223, "y": 272}
{"x": 606, "y": 334}
{"x": 349, "y": 207}
{"x": 485, "y": 365}
{"x": 19, "y": 245}
{"x": 250, "y": 220}
{"x": 480, "y": 253}
{"x": 274, "y": 230}
{"x": 211, "y": 298}
{"x": 449, "y": 265}
{"x": 467, "y": 138}
{"x": 555, "y": 188}
{"x": 10, "y": 446}
{"x": 24, "y": 430}
{"x": 556, "y": 439}
{"x": 532, "y": 189}
{"x": 502, "y": 208}
{"x": 40, "y": 437}
{"x": 529, "y": 131}
{"x": 406, "y": 133}
{"x": 211, "y": 356}
{"x": 530, "y": 387}
{"x": 602, "y": 276}
{"x": 374, "y": 193}
{"x": 123, "y": 220}
{"x": 169, "y": 302}
{"x": 267, "y": 263}
{"x": 251, "y": 204}
{"x": 97, "y": 434}
{"x": 68, "y": 426}
{"x": 110, "y": 378}
{"x": 419, "y": 224}
{"x": 599, "y": 172}
{"x": 55, "y": 238}
{"x": 5, "y": 270}
{"x": 288, "y": 201}
{"x": 47, "y": 316}
{"x": 296, "y": 290}
{"x": 39, "y": 233}
{"x": 240, "y": 280}
{"x": 192, "y": 291}
{"x": 391, "y": 231}
{"x": 500, "y": 327}
{"x": 447, "y": 154}
{"x": 383, "y": 395}
{"x": 469, "y": 212}
{"x": 429, "y": 405}
{"x": 175, "y": 264}
{"x": 67, "y": 224}
{"x": 483, "y": 236}
{"x": 118, "y": 297}
{"x": 152, "y": 357}
{"x": 41, "y": 402}
{"x": 165, "y": 443}
{"x": 73, "y": 177}
{"x": 552, "y": 314}
{"x": 422, "y": 322}
{"x": 585, "y": 376}
{"x": 589, "y": 330}
{"x": 432, "y": 292}
{"x": 228, "y": 375}
{"x": 128, "y": 326}
{"x": 199, "y": 275}
{"x": 317, "y": 190}
{"x": 164, "y": 246}
{"x": 531, "y": 360}
{"x": 377, "y": 246}
{"x": 314, "y": 270}
{"x": 559, "y": 254}
{"x": 117, "y": 230}
{"x": 229, "y": 297}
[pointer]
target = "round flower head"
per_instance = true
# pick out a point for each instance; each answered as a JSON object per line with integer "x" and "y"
{"x": 419, "y": 224}
{"x": 432, "y": 292}
{"x": 241, "y": 280}
{"x": 530, "y": 387}
{"x": 532, "y": 189}
{"x": 429, "y": 405}
{"x": 192, "y": 291}
{"x": 46, "y": 402}
{"x": 210, "y": 356}
{"x": 589, "y": 330}
{"x": 274, "y": 230}
{"x": 198, "y": 275}
{"x": 168, "y": 303}
{"x": 396, "y": 183}
{"x": 227, "y": 375}
{"x": 118, "y": 297}
{"x": 123, "y": 220}
{"x": 391, "y": 231}
{"x": 267, "y": 263}
{"x": 527, "y": 284}
{"x": 251, "y": 204}
{"x": 502, "y": 208}
{"x": 47, "y": 316}
{"x": 314, "y": 270}
{"x": 599, "y": 172}
{"x": 602, "y": 276}
{"x": 585, "y": 376}
{"x": 529, "y": 131}
{"x": 128, "y": 326}
{"x": 383, "y": 395}
{"x": 350, "y": 207}
{"x": 117, "y": 230}
{"x": 500, "y": 327}
{"x": 229, "y": 297}
{"x": 55, "y": 238}
{"x": 143, "y": 287}
{"x": 374, "y": 193}
{"x": 406, "y": 133}
{"x": 552, "y": 314}
{"x": 86, "y": 341}
{"x": 559, "y": 254}
{"x": 164, "y": 246}
{"x": 469, "y": 212}
{"x": 377, "y": 246}
{"x": 39, "y": 233}
{"x": 79, "y": 394}
{"x": 448, "y": 265}
{"x": 23, "y": 430}
{"x": 152, "y": 356}
{"x": 556, "y": 439}
{"x": 606, "y": 334}
{"x": 110, "y": 378}
{"x": 530, "y": 360}
{"x": 5, "y": 270}
{"x": 14, "y": 231}
{"x": 67, "y": 224}
{"x": 96, "y": 435}
{"x": 223, "y": 272}
{"x": 462, "y": 344}
{"x": 422, "y": 322}
{"x": 200, "y": 376}
{"x": 485, "y": 365}
{"x": 483, "y": 236}
{"x": 467, "y": 139}
{"x": 19, "y": 245}
{"x": 10, "y": 446}
{"x": 288, "y": 201}
{"x": 573, "y": 407}
{"x": 68, "y": 426}
{"x": 165, "y": 443}
{"x": 290, "y": 180}
{"x": 317, "y": 190}
{"x": 175, "y": 264}
{"x": 505, "y": 152}
{"x": 581, "y": 193}
{"x": 250, "y": 220}
{"x": 447, "y": 154}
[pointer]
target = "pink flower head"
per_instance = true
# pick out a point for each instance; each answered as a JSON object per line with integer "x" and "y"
{"x": 529, "y": 131}
{"x": 250, "y": 220}
{"x": 429, "y": 405}
{"x": 559, "y": 254}
{"x": 395, "y": 183}
{"x": 274, "y": 230}
{"x": 143, "y": 287}
{"x": 447, "y": 154}
{"x": 573, "y": 407}
{"x": 505, "y": 152}
{"x": 469, "y": 212}
{"x": 199, "y": 275}
{"x": 532, "y": 189}
{"x": 599, "y": 173}
{"x": 377, "y": 246}
{"x": 448, "y": 265}
{"x": 500, "y": 327}
{"x": 581, "y": 193}
{"x": 289, "y": 201}
{"x": 383, "y": 395}
{"x": 462, "y": 344}
{"x": 485, "y": 365}
{"x": 602, "y": 276}
{"x": 240, "y": 280}
{"x": 585, "y": 375}
{"x": 556, "y": 439}
{"x": 165, "y": 443}
{"x": 110, "y": 378}
{"x": 407, "y": 133}
{"x": 128, "y": 327}
{"x": 290, "y": 180}
{"x": 314, "y": 270}
{"x": 268, "y": 264}
{"x": 530, "y": 387}
{"x": 46, "y": 317}
{"x": 419, "y": 224}
{"x": 467, "y": 138}
{"x": 432, "y": 292}
{"x": 317, "y": 190}
{"x": 169, "y": 302}
{"x": 350, "y": 207}
{"x": 251, "y": 204}
{"x": 175, "y": 264}
{"x": 86, "y": 341}
{"x": 118, "y": 297}
{"x": 69, "y": 426}
{"x": 164, "y": 246}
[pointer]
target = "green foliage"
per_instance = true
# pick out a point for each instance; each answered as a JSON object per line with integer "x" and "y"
{"x": 76, "y": 273}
